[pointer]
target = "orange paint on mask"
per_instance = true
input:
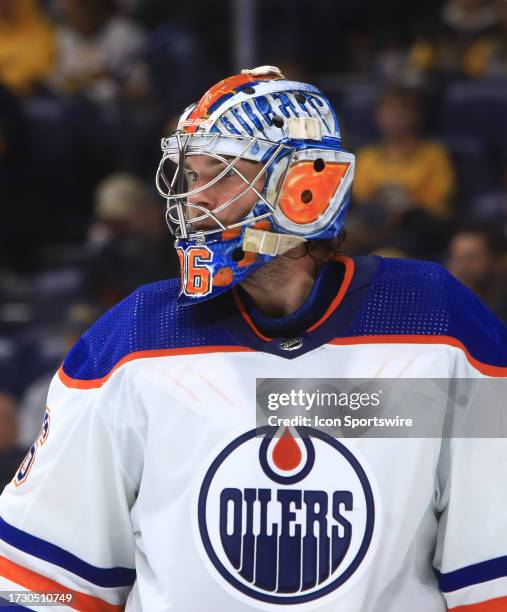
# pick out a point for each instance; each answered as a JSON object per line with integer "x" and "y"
{"x": 247, "y": 260}
{"x": 221, "y": 88}
{"x": 223, "y": 277}
{"x": 228, "y": 85}
{"x": 231, "y": 233}
{"x": 263, "y": 225}
{"x": 306, "y": 193}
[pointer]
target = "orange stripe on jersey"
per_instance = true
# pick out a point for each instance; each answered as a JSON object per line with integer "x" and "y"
{"x": 347, "y": 279}
{"x": 247, "y": 317}
{"x": 76, "y": 383}
{"x": 492, "y": 605}
{"x": 35, "y": 582}
{"x": 483, "y": 368}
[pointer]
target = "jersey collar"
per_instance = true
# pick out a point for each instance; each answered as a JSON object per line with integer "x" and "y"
{"x": 352, "y": 281}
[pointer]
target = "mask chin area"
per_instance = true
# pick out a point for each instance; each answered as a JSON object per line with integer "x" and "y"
{"x": 211, "y": 269}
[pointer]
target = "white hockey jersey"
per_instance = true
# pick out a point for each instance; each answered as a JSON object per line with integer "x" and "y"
{"x": 148, "y": 490}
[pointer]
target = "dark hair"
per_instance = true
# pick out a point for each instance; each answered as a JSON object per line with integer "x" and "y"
{"x": 322, "y": 250}
{"x": 326, "y": 249}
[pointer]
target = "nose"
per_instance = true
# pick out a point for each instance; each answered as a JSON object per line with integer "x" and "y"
{"x": 207, "y": 199}
{"x": 197, "y": 202}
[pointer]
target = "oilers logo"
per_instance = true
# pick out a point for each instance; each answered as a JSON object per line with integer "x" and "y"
{"x": 288, "y": 519}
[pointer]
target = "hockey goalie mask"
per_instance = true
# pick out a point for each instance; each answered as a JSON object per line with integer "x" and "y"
{"x": 254, "y": 169}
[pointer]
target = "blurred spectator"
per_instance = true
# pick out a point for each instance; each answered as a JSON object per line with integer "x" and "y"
{"x": 478, "y": 258}
{"x": 97, "y": 50}
{"x": 79, "y": 318}
{"x": 27, "y": 46}
{"x": 11, "y": 454}
{"x": 404, "y": 182}
{"x": 403, "y": 168}
{"x": 447, "y": 45}
{"x": 129, "y": 243}
{"x": 488, "y": 55}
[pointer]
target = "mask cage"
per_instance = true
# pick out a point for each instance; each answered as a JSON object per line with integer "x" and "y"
{"x": 228, "y": 149}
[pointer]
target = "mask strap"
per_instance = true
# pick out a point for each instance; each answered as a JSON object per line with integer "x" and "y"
{"x": 269, "y": 243}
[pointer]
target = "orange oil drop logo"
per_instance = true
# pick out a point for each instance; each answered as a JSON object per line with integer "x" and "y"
{"x": 286, "y": 453}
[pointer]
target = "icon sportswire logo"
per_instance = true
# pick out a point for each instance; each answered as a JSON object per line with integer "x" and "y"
{"x": 288, "y": 519}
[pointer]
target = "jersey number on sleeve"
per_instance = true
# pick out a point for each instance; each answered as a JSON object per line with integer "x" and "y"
{"x": 26, "y": 465}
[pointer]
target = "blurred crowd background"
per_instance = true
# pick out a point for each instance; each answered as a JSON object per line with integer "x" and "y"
{"x": 89, "y": 87}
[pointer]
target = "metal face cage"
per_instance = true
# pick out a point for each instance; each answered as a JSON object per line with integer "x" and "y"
{"x": 229, "y": 149}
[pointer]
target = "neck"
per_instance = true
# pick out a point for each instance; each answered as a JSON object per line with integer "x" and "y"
{"x": 280, "y": 287}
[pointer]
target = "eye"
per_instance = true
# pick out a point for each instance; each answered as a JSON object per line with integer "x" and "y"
{"x": 191, "y": 176}
{"x": 230, "y": 173}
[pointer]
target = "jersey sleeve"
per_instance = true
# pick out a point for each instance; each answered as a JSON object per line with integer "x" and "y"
{"x": 65, "y": 522}
{"x": 471, "y": 548}
{"x": 471, "y": 551}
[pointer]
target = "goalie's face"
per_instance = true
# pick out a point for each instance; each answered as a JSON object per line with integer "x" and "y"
{"x": 233, "y": 186}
